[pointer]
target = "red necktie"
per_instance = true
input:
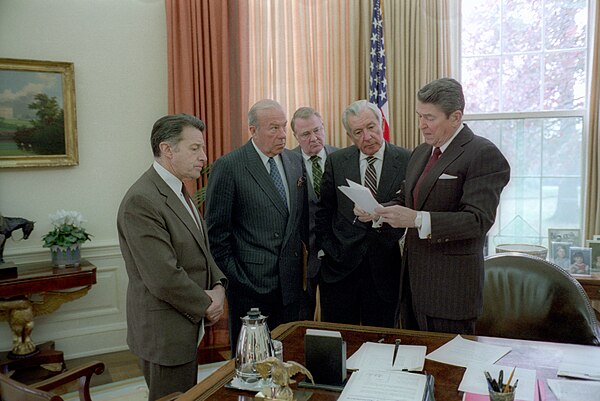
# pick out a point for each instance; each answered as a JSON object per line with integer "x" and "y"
{"x": 432, "y": 160}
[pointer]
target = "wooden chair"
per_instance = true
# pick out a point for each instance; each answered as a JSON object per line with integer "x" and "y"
{"x": 529, "y": 298}
{"x": 11, "y": 390}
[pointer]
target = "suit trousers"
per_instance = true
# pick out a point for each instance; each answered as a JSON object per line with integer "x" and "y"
{"x": 355, "y": 300}
{"x": 164, "y": 380}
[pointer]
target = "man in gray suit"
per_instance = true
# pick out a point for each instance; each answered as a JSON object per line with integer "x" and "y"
{"x": 309, "y": 131}
{"x": 175, "y": 288}
{"x": 360, "y": 275}
{"x": 256, "y": 212}
{"x": 452, "y": 191}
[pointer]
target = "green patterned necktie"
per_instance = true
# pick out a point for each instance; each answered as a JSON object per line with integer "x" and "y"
{"x": 317, "y": 173}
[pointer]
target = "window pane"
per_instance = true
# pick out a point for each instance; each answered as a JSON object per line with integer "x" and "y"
{"x": 483, "y": 35}
{"x": 521, "y": 83}
{"x": 562, "y": 140}
{"x": 565, "y": 23}
{"x": 482, "y": 84}
{"x": 522, "y": 25}
{"x": 564, "y": 88}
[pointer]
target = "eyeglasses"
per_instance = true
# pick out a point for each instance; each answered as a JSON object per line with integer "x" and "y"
{"x": 307, "y": 134}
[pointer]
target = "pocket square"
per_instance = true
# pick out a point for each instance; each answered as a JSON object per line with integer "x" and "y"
{"x": 448, "y": 177}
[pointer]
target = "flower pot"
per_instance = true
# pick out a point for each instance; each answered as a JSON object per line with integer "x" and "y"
{"x": 69, "y": 256}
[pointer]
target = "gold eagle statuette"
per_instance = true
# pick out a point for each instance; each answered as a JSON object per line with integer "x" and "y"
{"x": 281, "y": 374}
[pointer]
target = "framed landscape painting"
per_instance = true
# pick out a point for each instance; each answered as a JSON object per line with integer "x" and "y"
{"x": 37, "y": 114}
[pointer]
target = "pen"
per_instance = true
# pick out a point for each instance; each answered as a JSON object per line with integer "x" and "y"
{"x": 507, "y": 385}
{"x": 500, "y": 377}
{"x": 398, "y": 341}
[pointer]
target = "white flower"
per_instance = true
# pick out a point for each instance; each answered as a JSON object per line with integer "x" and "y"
{"x": 64, "y": 217}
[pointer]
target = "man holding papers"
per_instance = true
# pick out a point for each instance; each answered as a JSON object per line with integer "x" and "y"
{"x": 360, "y": 269}
{"x": 452, "y": 190}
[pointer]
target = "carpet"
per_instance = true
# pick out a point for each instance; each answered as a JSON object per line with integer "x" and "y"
{"x": 134, "y": 389}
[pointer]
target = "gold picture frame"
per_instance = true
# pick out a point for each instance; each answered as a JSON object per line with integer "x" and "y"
{"x": 38, "y": 125}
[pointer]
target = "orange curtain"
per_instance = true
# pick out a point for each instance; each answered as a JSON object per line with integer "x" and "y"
{"x": 205, "y": 68}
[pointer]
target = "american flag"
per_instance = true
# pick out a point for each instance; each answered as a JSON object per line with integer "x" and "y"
{"x": 377, "y": 81}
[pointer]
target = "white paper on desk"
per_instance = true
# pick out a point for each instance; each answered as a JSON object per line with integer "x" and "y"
{"x": 461, "y": 352}
{"x": 583, "y": 364}
{"x": 579, "y": 390}
{"x": 384, "y": 385}
{"x": 379, "y": 356}
{"x": 360, "y": 195}
{"x": 474, "y": 381}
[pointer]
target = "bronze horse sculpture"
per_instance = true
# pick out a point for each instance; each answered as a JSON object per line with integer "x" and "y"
{"x": 10, "y": 224}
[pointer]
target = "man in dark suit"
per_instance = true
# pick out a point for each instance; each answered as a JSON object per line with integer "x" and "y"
{"x": 360, "y": 275}
{"x": 449, "y": 205}
{"x": 175, "y": 288}
{"x": 309, "y": 131}
{"x": 256, "y": 212}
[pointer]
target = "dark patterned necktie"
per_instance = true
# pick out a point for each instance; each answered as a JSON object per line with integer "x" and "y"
{"x": 317, "y": 174}
{"x": 371, "y": 175}
{"x": 276, "y": 177}
{"x": 188, "y": 199}
{"x": 432, "y": 160}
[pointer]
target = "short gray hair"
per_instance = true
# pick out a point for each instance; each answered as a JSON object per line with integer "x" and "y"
{"x": 357, "y": 107}
{"x": 264, "y": 104}
{"x": 169, "y": 128}
{"x": 304, "y": 112}
{"x": 446, "y": 93}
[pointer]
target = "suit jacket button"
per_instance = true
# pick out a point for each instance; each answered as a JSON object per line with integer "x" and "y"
{"x": 447, "y": 240}
{"x": 276, "y": 235}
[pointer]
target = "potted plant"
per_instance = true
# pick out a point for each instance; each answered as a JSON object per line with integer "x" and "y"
{"x": 65, "y": 238}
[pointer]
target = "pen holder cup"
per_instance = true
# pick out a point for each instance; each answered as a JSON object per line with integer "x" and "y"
{"x": 508, "y": 396}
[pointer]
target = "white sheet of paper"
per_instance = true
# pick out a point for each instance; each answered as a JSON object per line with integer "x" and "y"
{"x": 379, "y": 356}
{"x": 583, "y": 364}
{"x": 461, "y": 352}
{"x": 384, "y": 385}
{"x": 360, "y": 195}
{"x": 579, "y": 390}
{"x": 474, "y": 381}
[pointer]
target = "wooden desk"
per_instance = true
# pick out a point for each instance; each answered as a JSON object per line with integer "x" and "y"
{"x": 15, "y": 306}
{"x": 541, "y": 356}
{"x": 591, "y": 285}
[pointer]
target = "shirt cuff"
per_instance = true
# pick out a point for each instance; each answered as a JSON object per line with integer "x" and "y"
{"x": 425, "y": 229}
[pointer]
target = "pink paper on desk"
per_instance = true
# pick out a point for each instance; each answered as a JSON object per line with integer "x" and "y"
{"x": 539, "y": 394}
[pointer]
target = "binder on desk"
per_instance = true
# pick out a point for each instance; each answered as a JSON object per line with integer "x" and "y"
{"x": 325, "y": 356}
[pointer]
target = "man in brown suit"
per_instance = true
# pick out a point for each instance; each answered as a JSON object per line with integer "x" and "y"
{"x": 175, "y": 288}
{"x": 451, "y": 193}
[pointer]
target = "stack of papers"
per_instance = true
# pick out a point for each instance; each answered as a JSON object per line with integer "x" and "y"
{"x": 582, "y": 364}
{"x": 461, "y": 352}
{"x": 379, "y": 357}
{"x": 384, "y": 385}
{"x": 579, "y": 390}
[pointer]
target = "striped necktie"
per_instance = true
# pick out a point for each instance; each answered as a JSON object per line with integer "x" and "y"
{"x": 276, "y": 177}
{"x": 371, "y": 175}
{"x": 317, "y": 174}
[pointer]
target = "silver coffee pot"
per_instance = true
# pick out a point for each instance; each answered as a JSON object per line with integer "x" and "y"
{"x": 254, "y": 345}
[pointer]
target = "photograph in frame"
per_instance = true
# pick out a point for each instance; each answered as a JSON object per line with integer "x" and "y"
{"x": 594, "y": 245}
{"x": 559, "y": 254}
{"x": 37, "y": 114}
{"x": 571, "y": 235}
{"x": 580, "y": 261}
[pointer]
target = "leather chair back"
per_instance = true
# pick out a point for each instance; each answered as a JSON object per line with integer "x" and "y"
{"x": 529, "y": 298}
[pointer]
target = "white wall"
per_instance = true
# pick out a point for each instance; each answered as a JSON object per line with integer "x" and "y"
{"x": 119, "y": 51}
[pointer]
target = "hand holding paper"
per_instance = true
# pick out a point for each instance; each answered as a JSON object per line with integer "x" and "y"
{"x": 360, "y": 195}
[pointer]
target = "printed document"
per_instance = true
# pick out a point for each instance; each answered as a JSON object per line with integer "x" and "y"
{"x": 360, "y": 195}
{"x": 379, "y": 357}
{"x": 579, "y": 390}
{"x": 384, "y": 385}
{"x": 583, "y": 364}
{"x": 462, "y": 352}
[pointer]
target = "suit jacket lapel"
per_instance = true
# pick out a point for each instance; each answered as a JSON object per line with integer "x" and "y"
{"x": 352, "y": 166}
{"x": 258, "y": 171}
{"x": 389, "y": 173}
{"x": 174, "y": 203}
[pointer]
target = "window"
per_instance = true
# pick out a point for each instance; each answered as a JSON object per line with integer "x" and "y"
{"x": 524, "y": 72}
